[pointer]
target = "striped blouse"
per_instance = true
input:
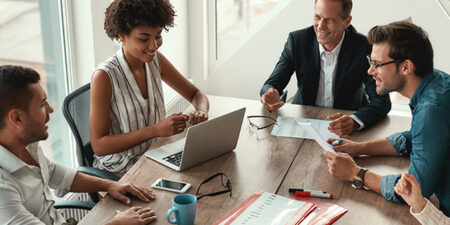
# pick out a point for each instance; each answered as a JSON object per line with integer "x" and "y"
{"x": 129, "y": 110}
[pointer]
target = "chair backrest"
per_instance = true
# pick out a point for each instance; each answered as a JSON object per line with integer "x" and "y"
{"x": 76, "y": 112}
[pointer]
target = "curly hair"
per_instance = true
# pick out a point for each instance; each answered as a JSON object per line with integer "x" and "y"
{"x": 124, "y": 15}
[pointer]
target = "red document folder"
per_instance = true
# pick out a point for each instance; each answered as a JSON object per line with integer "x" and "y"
{"x": 324, "y": 214}
{"x": 266, "y": 208}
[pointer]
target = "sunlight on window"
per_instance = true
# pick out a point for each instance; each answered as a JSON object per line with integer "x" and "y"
{"x": 30, "y": 37}
{"x": 235, "y": 17}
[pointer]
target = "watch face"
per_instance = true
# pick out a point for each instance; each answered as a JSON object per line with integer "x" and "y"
{"x": 358, "y": 183}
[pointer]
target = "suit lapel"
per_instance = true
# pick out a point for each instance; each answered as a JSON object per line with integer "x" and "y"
{"x": 342, "y": 64}
{"x": 315, "y": 72}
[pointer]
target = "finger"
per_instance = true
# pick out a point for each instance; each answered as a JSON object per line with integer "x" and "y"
{"x": 263, "y": 99}
{"x": 180, "y": 126}
{"x": 147, "y": 214}
{"x": 144, "y": 210}
{"x": 117, "y": 212}
{"x": 136, "y": 192}
{"x": 149, "y": 194}
{"x": 269, "y": 107}
{"x": 191, "y": 118}
{"x": 330, "y": 140}
{"x": 175, "y": 114}
{"x": 272, "y": 91}
{"x": 149, "y": 220}
{"x": 334, "y": 116}
{"x": 121, "y": 197}
{"x": 202, "y": 117}
{"x": 181, "y": 118}
{"x": 329, "y": 155}
{"x": 276, "y": 105}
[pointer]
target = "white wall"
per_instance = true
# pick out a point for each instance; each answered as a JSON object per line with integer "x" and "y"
{"x": 90, "y": 45}
{"x": 243, "y": 74}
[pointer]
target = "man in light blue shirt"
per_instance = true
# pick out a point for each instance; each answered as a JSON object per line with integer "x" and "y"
{"x": 402, "y": 60}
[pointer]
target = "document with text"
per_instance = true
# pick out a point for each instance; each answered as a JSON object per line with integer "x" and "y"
{"x": 289, "y": 127}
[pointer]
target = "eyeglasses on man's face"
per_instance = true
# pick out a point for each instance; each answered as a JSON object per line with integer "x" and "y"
{"x": 256, "y": 127}
{"x": 377, "y": 65}
{"x": 225, "y": 183}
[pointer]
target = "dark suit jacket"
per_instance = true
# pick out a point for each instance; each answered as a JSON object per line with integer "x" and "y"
{"x": 353, "y": 88}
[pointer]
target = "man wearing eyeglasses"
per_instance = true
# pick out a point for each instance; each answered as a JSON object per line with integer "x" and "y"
{"x": 402, "y": 61}
{"x": 329, "y": 60}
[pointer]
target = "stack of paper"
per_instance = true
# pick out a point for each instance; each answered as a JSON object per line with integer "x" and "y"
{"x": 266, "y": 208}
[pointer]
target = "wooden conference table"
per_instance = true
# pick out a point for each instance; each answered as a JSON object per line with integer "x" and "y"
{"x": 273, "y": 164}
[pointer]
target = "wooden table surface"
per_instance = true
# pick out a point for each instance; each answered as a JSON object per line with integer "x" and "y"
{"x": 273, "y": 164}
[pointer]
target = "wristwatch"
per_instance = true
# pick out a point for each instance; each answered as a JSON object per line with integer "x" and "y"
{"x": 358, "y": 180}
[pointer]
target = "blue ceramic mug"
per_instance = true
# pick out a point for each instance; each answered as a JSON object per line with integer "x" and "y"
{"x": 184, "y": 207}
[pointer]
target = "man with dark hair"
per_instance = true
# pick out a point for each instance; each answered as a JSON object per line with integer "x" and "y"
{"x": 328, "y": 59}
{"x": 402, "y": 61}
{"x": 26, "y": 174}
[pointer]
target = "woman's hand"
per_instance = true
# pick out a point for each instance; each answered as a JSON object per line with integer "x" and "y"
{"x": 198, "y": 117}
{"x": 174, "y": 124}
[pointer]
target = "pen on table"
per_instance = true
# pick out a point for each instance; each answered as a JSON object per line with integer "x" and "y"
{"x": 313, "y": 194}
{"x": 293, "y": 190}
{"x": 309, "y": 193}
{"x": 337, "y": 142}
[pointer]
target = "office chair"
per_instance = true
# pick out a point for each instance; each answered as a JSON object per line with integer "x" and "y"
{"x": 76, "y": 111}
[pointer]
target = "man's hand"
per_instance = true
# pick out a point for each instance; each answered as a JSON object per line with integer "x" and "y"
{"x": 271, "y": 100}
{"x": 347, "y": 146}
{"x": 341, "y": 166}
{"x": 409, "y": 189}
{"x": 341, "y": 124}
{"x": 133, "y": 216}
{"x": 118, "y": 190}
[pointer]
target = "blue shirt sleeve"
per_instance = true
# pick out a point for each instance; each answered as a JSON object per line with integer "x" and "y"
{"x": 426, "y": 144}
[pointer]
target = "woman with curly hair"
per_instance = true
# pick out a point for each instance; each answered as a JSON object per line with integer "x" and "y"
{"x": 127, "y": 108}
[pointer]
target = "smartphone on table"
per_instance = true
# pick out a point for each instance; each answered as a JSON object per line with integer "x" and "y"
{"x": 171, "y": 185}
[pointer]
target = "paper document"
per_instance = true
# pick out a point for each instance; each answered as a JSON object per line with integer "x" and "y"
{"x": 270, "y": 209}
{"x": 316, "y": 136}
{"x": 288, "y": 127}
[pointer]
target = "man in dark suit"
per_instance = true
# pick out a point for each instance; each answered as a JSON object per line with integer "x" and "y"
{"x": 329, "y": 59}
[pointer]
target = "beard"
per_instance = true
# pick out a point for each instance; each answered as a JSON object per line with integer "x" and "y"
{"x": 397, "y": 83}
{"x": 34, "y": 132}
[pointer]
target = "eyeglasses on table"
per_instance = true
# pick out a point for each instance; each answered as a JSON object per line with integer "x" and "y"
{"x": 256, "y": 127}
{"x": 225, "y": 183}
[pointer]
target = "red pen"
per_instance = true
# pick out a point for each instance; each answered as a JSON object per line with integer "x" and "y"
{"x": 317, "y": 194}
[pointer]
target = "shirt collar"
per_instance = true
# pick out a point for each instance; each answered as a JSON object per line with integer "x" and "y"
{"x": 10, "y": 162}
{"x": 420, "y": 89}
{"x": 336, "y": 50}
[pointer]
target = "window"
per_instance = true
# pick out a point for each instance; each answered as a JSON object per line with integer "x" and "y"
{"x": 31, "y": 36}
{"x": 235, "y": 17}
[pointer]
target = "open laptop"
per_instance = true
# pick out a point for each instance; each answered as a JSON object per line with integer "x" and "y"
{"x": 203, "y": 142}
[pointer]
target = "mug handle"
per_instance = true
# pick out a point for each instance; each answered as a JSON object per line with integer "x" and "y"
{"x": 175, "y": 211}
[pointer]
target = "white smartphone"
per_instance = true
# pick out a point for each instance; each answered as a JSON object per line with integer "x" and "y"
{"x": 171, "y": 185}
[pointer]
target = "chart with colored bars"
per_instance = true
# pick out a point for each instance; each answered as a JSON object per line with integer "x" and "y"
{"x": 272, "y": 209}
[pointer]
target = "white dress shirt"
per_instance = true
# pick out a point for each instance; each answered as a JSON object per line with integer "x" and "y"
{"x": 25, "y": 197}
{"x": 328, "y": 66}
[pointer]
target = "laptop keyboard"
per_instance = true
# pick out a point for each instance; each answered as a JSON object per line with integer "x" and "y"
{"x": 174, "y": 159}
